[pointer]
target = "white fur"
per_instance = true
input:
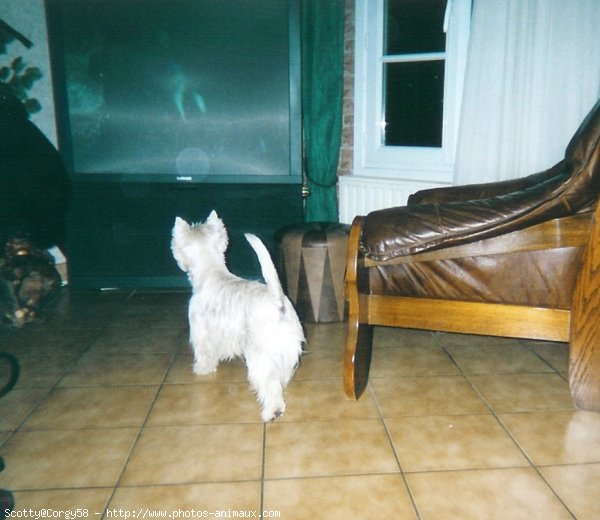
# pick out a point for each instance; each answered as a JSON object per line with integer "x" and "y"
{"x": 232, "y": 317}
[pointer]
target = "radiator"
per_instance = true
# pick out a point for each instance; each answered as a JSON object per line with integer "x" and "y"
{"x": 360, "y": 195}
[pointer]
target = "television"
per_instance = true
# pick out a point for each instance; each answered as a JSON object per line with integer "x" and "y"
{"x": 172, "y": 108}
{"x": 180, "y": 91}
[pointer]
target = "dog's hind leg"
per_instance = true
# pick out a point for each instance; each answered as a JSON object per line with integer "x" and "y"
{"x": 270, "y": 395}
{"x": 269, "y": 390}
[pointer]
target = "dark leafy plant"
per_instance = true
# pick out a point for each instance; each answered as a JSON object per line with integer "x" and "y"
{"x": 17, "y": 75}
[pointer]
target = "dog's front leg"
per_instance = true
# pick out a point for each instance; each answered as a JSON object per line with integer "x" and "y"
{"x": 206, "y": 358}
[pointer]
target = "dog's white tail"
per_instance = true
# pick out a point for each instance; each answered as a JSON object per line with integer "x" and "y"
{"x": 266, "y": 266}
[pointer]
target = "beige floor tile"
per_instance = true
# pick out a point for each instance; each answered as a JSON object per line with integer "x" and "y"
{"x": 203, "y": 500}
{"x": 524, "y": 392}
{"x": 577, "y": 486}
{"x": 453, "y": 442}
{"x": 449, "y": 339}
{"x": 411, "y": 361}
{"x": 555, "y": 354}
{"x": 49, "y": 342}
{"x": 384, "y": 337}
{"x": 363, "y": 496}
{"x": 84, "y": 309}
{"x": 318, "y": 448}
{"x": 426, "y": 396}
{"x": 320, "y": 364}
{"x": 494, "y": 494}
{"x": 322, "y": 336}
{"x": 4, "y": 435}
{"x": 82, "y": 315}
{"x": 90, "y": 502}
{"x": 152, "y": 316}
{"x": 227, "y": 372}
{"x": 389, "y": 337}
{"x": 94, "y": 407}
{"x": 195, "y": 454}
{"x": 493, "y": 359}
{"x": 135, "y": 340}
{"x": 323, "y": 399}
{"x": 41, "y": 372}
{"x": 17, "y": 405}
{"x": 153, "y": 302}
{"x": 567, "y": 437}
{"x": 65, "y": 459}
{"x": 204, "y": 445}
{"x": 180, "y": 405}
{"x": 118, "y": 369}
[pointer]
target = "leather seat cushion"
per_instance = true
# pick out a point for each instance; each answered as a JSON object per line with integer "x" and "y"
{"x": 546, "y": 278}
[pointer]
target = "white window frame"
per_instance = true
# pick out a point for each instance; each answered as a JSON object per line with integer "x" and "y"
{"x": 371, "y": 156}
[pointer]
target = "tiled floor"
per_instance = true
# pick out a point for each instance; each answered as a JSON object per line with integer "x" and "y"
{"x": 107, "y": 417}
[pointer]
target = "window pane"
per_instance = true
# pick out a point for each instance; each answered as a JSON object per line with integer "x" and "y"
{"x": 414, "y": 98}
{"x": 414, "y": 26}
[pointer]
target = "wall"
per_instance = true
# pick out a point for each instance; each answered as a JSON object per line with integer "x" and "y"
{"x": 28, "y": 17}
{"x": 345, "y": 166}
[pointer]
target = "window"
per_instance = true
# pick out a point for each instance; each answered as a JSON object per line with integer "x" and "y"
{"x": 410, "y": 60}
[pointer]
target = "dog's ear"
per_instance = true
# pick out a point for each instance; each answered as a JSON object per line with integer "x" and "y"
{"x": 179, "y": 229}
{"x": 213, "y": 217}
{"x": 180, "y": 225}
{"x": 217, "y": 224}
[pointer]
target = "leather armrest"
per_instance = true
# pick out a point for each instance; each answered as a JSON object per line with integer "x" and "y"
{"x": 483, "y": 190}
{"x": 407, "y": 230}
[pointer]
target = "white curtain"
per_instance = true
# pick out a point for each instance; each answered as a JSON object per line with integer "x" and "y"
{"x": 533, "y": 73}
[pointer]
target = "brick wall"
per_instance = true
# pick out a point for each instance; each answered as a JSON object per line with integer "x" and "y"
{"x": 345, "y": 165}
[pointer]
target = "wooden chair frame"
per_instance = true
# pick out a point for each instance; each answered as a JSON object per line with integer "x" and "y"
{"x": 579, "y": 326}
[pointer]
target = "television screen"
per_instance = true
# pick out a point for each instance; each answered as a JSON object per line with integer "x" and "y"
{"x": 177, "y": 90}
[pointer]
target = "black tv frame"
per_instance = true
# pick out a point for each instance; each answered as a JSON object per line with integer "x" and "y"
{"x": 64, "y": 133}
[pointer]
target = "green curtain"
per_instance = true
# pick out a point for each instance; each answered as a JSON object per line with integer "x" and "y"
{"x": 322, "y": 97}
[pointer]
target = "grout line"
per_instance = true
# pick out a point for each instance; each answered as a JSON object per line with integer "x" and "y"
{"x": 262, "y": 471}
{"x": 161, "y": 385}
{"x": 139, "y": 434}
{"x": 51, "y": 389}
{"x": 391, "y": 444}
{"x": 532, "y": 465}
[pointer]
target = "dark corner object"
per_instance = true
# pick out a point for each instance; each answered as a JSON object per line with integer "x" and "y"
{"x": 517, "y": 258}
{"x": 34, "y": 184}
{"x": 7, "y": 501}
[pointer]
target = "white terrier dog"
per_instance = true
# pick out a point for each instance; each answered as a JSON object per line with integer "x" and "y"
{"x": 231, "y": 317}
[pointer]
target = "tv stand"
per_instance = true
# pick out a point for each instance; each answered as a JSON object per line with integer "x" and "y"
{"x": 119, "y": 234}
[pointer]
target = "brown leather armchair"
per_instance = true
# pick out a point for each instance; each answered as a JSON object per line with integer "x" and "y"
{"x": 518, "y": 258}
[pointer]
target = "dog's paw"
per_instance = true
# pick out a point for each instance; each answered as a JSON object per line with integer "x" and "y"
{"x": 201, "y": 370}
{"x": 270, "y": 415}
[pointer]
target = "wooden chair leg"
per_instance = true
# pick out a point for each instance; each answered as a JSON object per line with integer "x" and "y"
{"x": 357, "y": 358}
{"x": 359, "y": 338}
{"x": 584, "y": 372}
{"x": 584, "y": 344}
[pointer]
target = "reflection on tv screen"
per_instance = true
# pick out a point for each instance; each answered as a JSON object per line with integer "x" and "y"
{"x": 181, "y": 87}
